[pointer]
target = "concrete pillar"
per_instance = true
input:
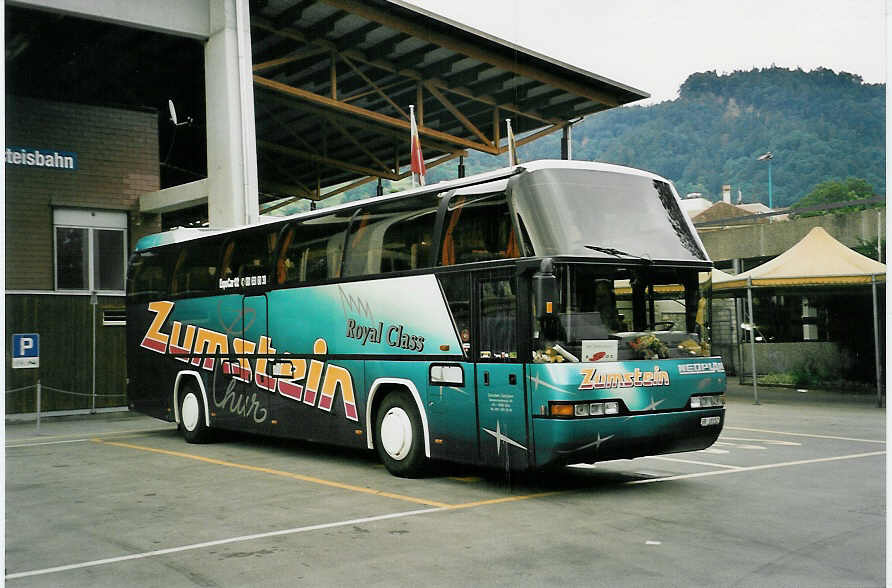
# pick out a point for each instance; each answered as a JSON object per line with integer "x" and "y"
{"x": 231, "y": 142}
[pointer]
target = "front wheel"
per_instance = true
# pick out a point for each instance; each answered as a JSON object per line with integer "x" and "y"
{"x": 399, "y": 436}
{"x": 192, "y": 420}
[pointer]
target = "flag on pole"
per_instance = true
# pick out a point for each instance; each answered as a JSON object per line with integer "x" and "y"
{"x": 418, "y": 169}
{"x": 512, "y": 146}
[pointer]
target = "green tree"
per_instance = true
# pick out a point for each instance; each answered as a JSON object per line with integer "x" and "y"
{"x": 868, "y": 248}
{"x": 833, "y": 191}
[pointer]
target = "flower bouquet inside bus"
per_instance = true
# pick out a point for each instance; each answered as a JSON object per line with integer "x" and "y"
{"x": 625, "y": 346}
{"x": 587, "y": 324}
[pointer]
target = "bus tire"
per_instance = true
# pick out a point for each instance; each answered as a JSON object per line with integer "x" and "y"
{"x": 398, "y": 436}
{"x": 192, "y": 418}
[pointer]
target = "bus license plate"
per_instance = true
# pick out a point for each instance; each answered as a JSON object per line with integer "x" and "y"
{"x": 707, "y": 421}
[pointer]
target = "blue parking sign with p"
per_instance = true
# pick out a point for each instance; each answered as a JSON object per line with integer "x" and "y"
{"x": 26, "y": 350}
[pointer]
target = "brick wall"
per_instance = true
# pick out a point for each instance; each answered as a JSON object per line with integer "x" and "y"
{"x": 117, "y": 154}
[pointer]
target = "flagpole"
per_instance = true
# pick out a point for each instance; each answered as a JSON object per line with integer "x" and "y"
{"x": 416, "y": 158}
{"x": 412, "y": 146}
{"x": 512, "y": 146}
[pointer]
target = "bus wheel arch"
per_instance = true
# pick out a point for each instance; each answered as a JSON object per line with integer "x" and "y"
{"x": 186, "y": 381}
{"x": 380, "y": 390}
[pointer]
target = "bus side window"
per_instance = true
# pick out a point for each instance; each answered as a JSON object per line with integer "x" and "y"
{"x": 247, "y": 254}
{"x": 311, "y": 250}
{"x": 227, "y": 269}
{"x": 407, "y": 243}
{"x": 457, "y": 289}
{"x": 195, "y": 272}
{"x": 391, "y": 236}
{"x": 478, "y": 228}
{"x": 148, "y": 275}
{"x": 497, "y": 340}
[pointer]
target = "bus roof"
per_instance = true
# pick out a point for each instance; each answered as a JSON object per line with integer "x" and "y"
{"x": 181, "y": 235}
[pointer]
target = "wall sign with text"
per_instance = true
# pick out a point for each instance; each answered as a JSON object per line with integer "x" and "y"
{"x": 48, "y": 158}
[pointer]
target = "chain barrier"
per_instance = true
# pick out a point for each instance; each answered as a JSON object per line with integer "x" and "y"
{"x": 45, "y": 387}
{"x": 69, "y": 392}
{"x": 39, "y": 393}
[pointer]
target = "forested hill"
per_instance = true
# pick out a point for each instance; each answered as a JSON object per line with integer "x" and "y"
{"x": 819, "y": 125}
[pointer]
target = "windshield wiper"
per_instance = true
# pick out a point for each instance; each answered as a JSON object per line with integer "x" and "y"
{"x": 617, "y": 252}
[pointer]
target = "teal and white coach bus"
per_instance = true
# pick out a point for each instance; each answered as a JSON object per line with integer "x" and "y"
{"x": 542, "y": 315}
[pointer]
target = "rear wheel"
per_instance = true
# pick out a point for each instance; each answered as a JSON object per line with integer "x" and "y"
{"x": 192, "y": 418}
{"x": 399, "y": 437}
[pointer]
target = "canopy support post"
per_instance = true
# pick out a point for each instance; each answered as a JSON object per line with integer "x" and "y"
{"x": 749, "y": 301}
{"x": 876, "y": 340}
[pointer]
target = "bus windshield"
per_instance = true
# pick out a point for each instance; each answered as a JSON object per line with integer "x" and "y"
{"x": 611, "y": 313}
{"x": 564, "y": 210}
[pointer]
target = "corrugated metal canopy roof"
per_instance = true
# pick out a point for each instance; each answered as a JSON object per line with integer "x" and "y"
{"x": 334, "y": 80}
{"x": 333, "y": 83}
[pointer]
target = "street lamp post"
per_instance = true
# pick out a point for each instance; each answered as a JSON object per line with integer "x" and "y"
{"x": 768, "y": 156}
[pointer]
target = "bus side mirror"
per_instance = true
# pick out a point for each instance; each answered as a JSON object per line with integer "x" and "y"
{"x": 545, "y": 288}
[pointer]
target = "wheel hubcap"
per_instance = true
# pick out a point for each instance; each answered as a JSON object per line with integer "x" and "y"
{"x": 190, "y": 412}
{"x": 396, "y": 433}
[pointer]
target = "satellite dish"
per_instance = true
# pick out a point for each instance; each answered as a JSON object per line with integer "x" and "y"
{"x": 173, "y": 116}
{"x": 173, "y": 112}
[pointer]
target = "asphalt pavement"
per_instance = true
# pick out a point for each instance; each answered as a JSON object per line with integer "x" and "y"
{"x": 792, "y": 494}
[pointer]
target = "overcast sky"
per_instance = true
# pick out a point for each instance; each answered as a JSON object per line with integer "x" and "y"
{"x": 653, "y": 45}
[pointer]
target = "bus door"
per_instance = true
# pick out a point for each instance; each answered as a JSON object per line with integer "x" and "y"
{"x": 257, "y": 403}
{"x": 501, "y": 408}
{"x": 452, "y": 397}
{"x": 243, "y": 403}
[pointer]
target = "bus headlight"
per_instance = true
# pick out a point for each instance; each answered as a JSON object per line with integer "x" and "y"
{"x": 583, "y": 409}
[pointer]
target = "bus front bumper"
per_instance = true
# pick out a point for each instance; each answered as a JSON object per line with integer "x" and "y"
{"x": 590, "y": 440}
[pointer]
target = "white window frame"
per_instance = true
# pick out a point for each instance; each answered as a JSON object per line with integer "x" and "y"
{"x": 90, "y": 220}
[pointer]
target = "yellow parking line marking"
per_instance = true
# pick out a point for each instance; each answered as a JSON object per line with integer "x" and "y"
{"x": 323, "y": 482}
{"x": 468, "y": 479}
{"x": 274, "y": 472}
{"x": 806, "y": 435}
{"x": 504, "y": 500}
{"x": 758, "y": 467}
